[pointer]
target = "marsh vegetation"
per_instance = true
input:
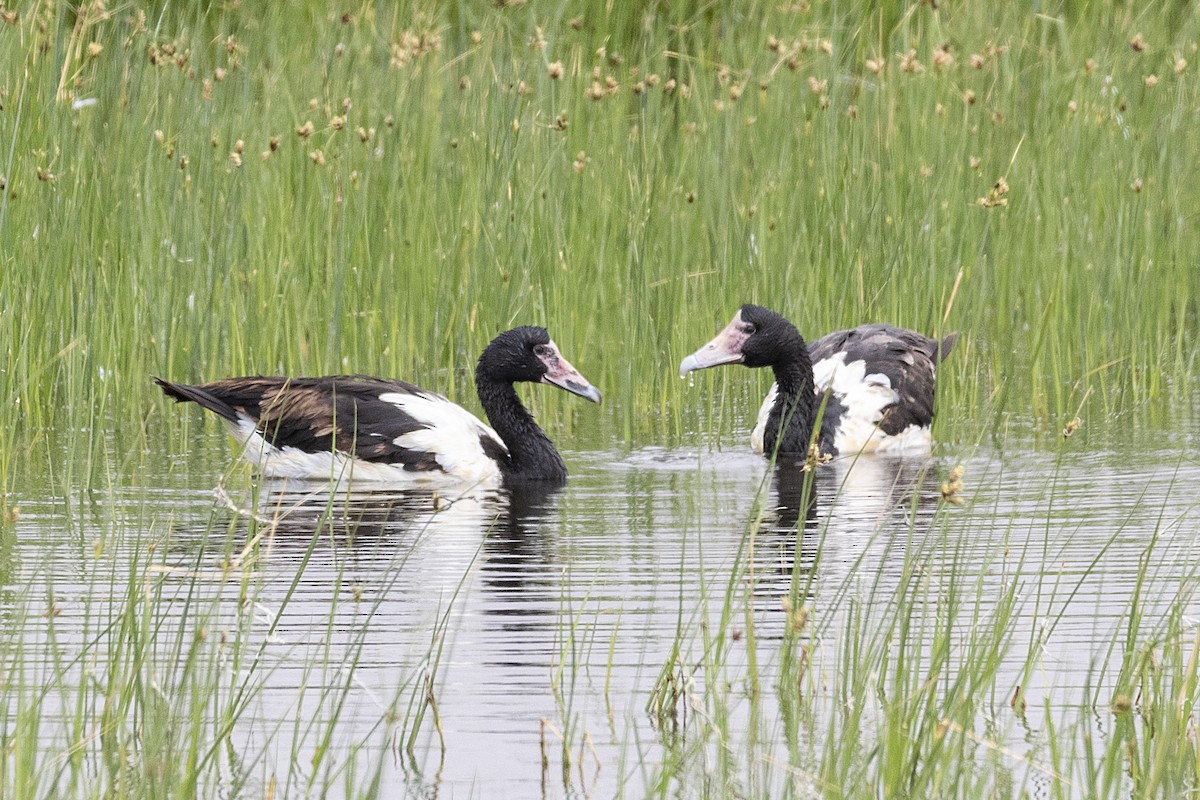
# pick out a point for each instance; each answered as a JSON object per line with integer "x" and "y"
{"x": 201, "y": 190}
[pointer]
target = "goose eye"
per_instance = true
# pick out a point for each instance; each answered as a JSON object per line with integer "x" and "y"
{"x": 541, "y": 350}
{"x": 748, "y": 329}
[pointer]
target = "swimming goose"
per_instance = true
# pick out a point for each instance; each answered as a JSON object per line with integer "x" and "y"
{"x": 376, "y": 429}
{"x": 879, "y": 380}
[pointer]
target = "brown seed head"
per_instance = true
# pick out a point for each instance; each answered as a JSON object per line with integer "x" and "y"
{"x": 909, "y": 63}
{"x": 305, "y": 130}
{"x": 1138, "y": 42}
{"x": 94, "y": 49}
{"x": 555, "y": 69}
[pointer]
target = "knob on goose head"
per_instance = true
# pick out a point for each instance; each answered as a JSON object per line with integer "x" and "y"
{"x": 529, "y": 354}
{"x": 755, "y": 337}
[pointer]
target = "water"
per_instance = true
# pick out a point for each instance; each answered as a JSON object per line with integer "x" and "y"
{"x": 534, "y": 628}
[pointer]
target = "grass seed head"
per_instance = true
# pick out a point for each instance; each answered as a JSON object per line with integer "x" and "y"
{"x": 942, "y": 57}
{"x": 94, "y": 49}
{"x": 875, "y": 65}
{"x": 977, "y": 60}
{"x": 1071, "y": 427}
{"x": 910, "y": 63}
{"x": 555, "y": 70}
{"x": 952, "y": 488}
{"x": 1150, "y": 80}
{"x": 1180, "y": 65}
{"x": 995, "y": 197}
{"x": 1138, "y": 42}
{"x": 305, "y": 130}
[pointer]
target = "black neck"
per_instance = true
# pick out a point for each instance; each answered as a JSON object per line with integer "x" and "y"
{"x": 790, "y": 423}
{"x": 531, "y": 454}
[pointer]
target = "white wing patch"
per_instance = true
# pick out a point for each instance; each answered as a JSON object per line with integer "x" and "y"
{"x": 452, "y": 434}
{"x": 455, "y": 445}
{"x": 864, "y": 396}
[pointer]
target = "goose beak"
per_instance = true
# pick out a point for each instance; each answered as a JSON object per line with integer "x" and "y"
{"x": 560, "y": 373}
{"x": 725, "y": 348}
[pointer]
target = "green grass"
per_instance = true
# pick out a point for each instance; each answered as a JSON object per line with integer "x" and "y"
{"x": 134, "y": 243}
{"x": 278, "y": 188}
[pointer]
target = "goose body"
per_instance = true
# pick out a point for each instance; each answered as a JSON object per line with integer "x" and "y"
{"x": 374, "y": 429}
{"x": 875, "y": 382}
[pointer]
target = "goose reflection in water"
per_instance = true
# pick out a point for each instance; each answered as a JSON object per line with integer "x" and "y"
{"x": 445, "y": 532}
{"x": 833, "y": 514}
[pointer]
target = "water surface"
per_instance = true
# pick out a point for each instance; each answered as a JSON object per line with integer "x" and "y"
{"x": 509, "y": 644}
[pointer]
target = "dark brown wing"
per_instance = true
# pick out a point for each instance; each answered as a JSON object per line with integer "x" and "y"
{"x": 906, "y": 357}
{"x": 320, "y": 414}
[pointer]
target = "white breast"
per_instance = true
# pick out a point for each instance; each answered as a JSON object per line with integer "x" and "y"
{"x": 865, "y": 396}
